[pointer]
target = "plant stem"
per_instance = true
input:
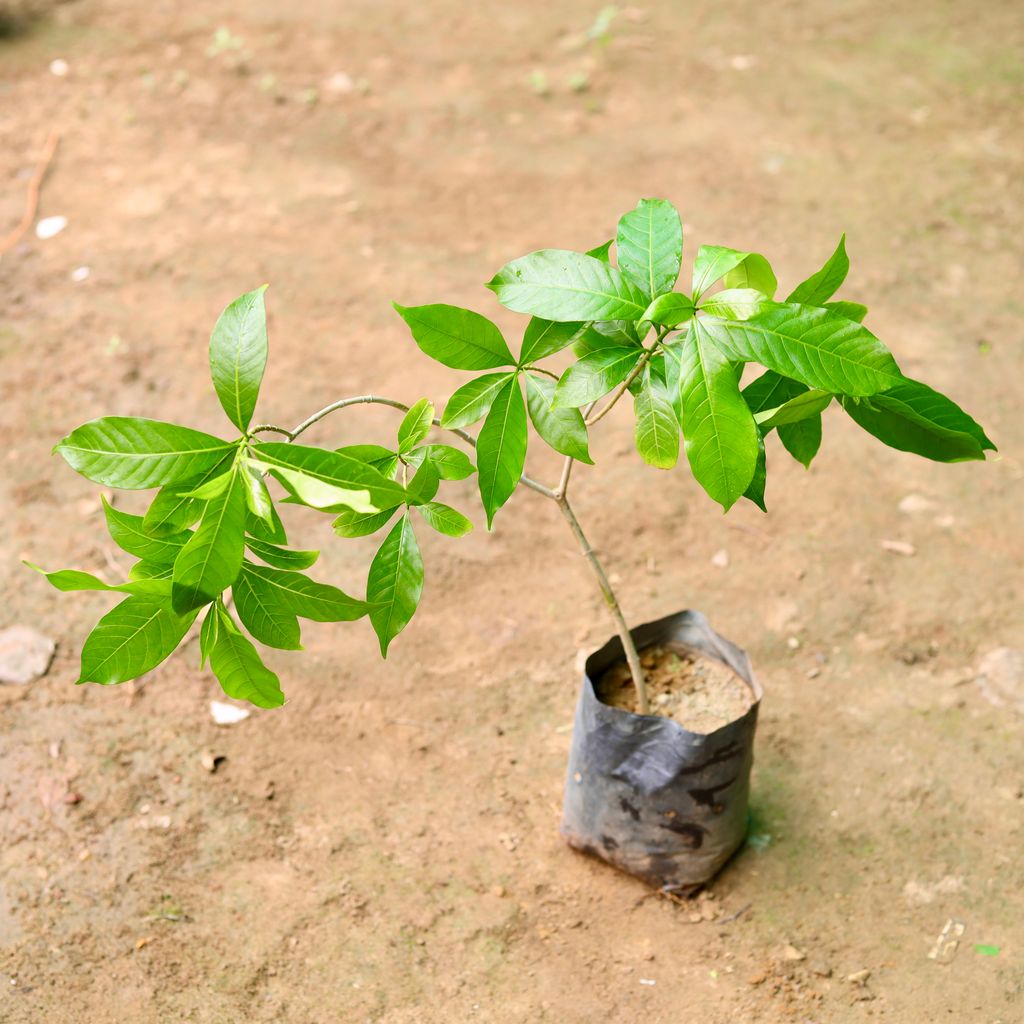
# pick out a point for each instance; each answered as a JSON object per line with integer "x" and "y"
{"x": 621, "y": 389}
{"x": 628, "y": 646}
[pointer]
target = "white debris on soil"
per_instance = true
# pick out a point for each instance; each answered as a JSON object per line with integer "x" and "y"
{"x": 80, "y": 274}
{"x": 1001, "y": 677}
{"x": 916, "y": 503}
{"x": 59, "y": 67}
{"x": 720, "y": 559}
{"x": 899, "y": 547}
{"x": 922, "y": 892}
{"x": 25, "y": 655}
{"x": 340, "y": 84}
{"x": 227, "y": 714}
{"x": 50, "y": 226}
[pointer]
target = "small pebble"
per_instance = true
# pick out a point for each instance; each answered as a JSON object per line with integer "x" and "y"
{"x": 25, "y": 655}
{"x": 80, "y": 274}
{"x": 227, "y": 714}
{"x": 59, "y": 67}
{"x": 899, "y": 547}
{"x": 48, "y": 227}
{"x": 859, "y": 977}
{"x": 720, "y": 559}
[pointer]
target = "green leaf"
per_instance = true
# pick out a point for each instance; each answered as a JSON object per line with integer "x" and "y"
{"x": 210, "y": 561}
{"x": 804, "y": 406}
{"x": 649, "y": 245}
{"x": 134, "y": 453}
{"x": 563, "y": 429}
{"x": 274, "y": 533}
{"x": 129, "y": 534}
{"x": 212, "y": 488}
{"x": 172, "y": 510}
{"x": 457, "y": 337}
{"x": 257, "y": 497}
{"x": 594, "y": 375}
{"x": 342, "y": 480}
{"x": 415, "y": 426}
{"x": 719, "y": 429}
{"x": 375, "y": 456}
{"x": 809, "y": 345}
{"x": 361, "y": 524}
{"x": 75, "y": 579}
{"x": 914, "y": 418}
{"x": 238, "y": 356}
{"x": 472, "y": 400}
{"x": 151, "y": 571}
{"x": 755, "y": 490}
{"x": 450, "y": 463}
{"x": 424, "y": 484}
{"x": 306, "y": 598}
{"x": 802, "y": 440}
{"x": 395, "y": 582}
{"x": 561, "y": 285}
{"x": 734, "y": 303}
{"x": 445, "y": 519}
{"x": 657, "y": 429}
{"x": 264, "y": 614}
{"x": 501, "y": 448}
{"x": 132, "y": 639}
{"x": 820, "y": 287}
{"x": 239, "y": 668}
{"x": 986, "y": 949}
{"x": 670, "y": 310}
{"x": 602, "y": 252}
{"x": 208, "y": 634}
{"x": 545, "y": 338}
{"x": 281, "y": 558}
{"x": 771, "y": 390}
{"x": 739, "y": 269}
{"x": 848, "y": 310}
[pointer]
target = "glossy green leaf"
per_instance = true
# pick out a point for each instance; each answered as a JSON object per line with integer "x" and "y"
{"x": 558, "y": 284}
{"x": 361, "y": 524}
{"x": 649, "y": 245}
{"x": 719, "y": 429}
{"x": 771, "y": 390}
{"x": 809, "y": 345}
{"x": 670, "y": 309}
{"x": 172, "y": 510}
{"x": 602, "y": 252}
{"x": 343, "y": 480}
{"x": 457, "y": 337}
{"x": 610, "y": 334}
{"x": 821, "y": 286}
{"x": 264, "y": 614}
{"x": 308, "y": 599}
{"x": 734, "y": 303}
{"x": 424, "y": 483}
{"x": 801, "y": 407}
{"x": 802, "y": 439}
{"x": 281, "y": 558}
{"x": 210, "y": 561}
{"x": 445, "y": 519}
{"x": 546, "y": 337}
{"x": 471, "y": 402}
{"x": 134, "y": 453}
{"x": 212, "y": 488}
{"x": 501, "y": 448}
{"x": 848, "y": 310}
{"x": 395, "y": 582}
{"x": 913, "y": 417}
{"x": 208, "y": 634}
{"x": 563, "y": 429}
{"x": 239, "y": 669}
{"x": 128, "y": 532}
{"x": 736, "y": 270}
{"x": 755, "y": 489}
{"x": 594, "y": 375}
{"x": 657, "y": 429}
{"x": 76, "y": 579}
{"x": 415, "y": 426}
{"x": 272, "y": 532}
{"x": 450, "y": 463}
{"x": 131, "y": 640}
{"x": 151, "y": 571}
{"x": 238, "y": 356}
{"x": 257, "y": 497}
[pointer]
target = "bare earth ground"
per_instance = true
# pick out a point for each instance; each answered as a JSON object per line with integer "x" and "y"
{"x": 408, "y": 868}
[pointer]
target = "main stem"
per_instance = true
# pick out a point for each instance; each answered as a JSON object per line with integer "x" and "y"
{"x": 558, "y": 495}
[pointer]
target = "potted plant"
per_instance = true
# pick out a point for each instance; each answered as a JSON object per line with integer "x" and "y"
{"x": 657, "y": 788}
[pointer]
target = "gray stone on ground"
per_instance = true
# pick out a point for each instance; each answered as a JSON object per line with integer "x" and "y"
{"x": 25, "y": 654}
{"x": 1001, "y": 677}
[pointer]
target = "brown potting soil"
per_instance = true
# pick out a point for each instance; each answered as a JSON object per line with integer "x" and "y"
{"x": 701, "y": 694}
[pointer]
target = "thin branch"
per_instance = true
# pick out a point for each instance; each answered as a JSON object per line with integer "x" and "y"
{"x": 547, "y": 373}
{"x": 621, "y": 389}
{"x": 265, "y": 428}
{"x": 32, "y": 196}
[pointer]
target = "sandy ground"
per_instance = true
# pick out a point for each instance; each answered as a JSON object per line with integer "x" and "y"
{"x": 385, "y": 847}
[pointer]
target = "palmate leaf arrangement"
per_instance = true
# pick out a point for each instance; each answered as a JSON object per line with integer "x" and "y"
{"x": 682, "y": 358}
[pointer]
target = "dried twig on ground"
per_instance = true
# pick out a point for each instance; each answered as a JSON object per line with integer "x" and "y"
{"x": 32, "y": 196}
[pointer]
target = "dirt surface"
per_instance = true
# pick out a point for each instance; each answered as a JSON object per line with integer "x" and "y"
{"x": 701, "y": 694}
{"x": 385, "y": 847}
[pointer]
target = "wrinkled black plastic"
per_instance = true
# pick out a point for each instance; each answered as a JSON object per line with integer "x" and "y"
{"x": 645, "y": 794}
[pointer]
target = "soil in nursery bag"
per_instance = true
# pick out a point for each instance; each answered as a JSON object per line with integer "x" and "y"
{"x": 701, "y": 694}
{"x": 663, "y": 796}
